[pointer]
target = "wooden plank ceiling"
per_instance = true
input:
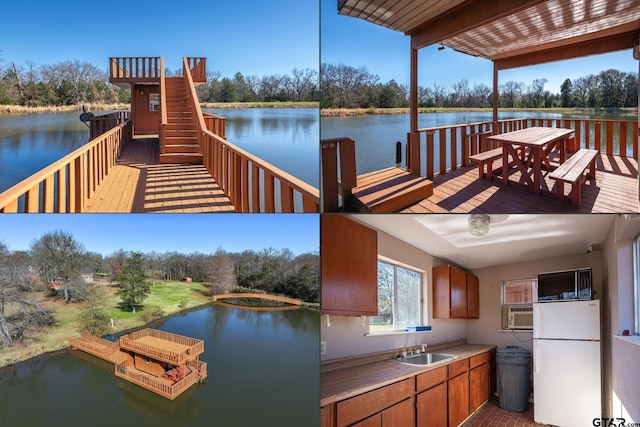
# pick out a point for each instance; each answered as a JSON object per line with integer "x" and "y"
{"x": 510, "y": 32}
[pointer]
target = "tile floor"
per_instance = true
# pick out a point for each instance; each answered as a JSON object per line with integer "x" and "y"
{"x": 492, "y": 415}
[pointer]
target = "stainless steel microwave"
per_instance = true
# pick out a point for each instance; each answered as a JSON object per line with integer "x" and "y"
{"x": 565, "y": 285}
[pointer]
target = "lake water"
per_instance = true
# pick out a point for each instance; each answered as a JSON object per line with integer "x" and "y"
{"x": 285, "y": 137}
{"x": 262, "y": 366}
{"x": 376, "y": 135}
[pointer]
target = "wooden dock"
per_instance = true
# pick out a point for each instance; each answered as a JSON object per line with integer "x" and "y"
{"x": 162, "y": 362}
{"x": 461, "y": 191}
{"x": 140, "y": 183}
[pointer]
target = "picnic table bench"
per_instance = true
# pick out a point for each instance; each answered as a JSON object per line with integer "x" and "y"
{"x": 573, "y": 171}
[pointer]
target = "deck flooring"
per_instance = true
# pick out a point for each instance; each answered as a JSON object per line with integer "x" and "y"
{"x": 139, "y": 183}
{"x": 461, "y": 191}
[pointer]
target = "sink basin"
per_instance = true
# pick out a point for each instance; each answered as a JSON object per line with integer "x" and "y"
{"x": 426, "y": 358}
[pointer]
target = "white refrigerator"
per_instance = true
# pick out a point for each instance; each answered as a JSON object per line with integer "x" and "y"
{"x": 566, "y": 363}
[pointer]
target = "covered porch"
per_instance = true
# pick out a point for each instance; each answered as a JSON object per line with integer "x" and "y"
{"x": 510, "y": 34}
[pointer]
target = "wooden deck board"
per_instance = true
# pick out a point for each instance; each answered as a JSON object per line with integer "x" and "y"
{"x": 139, "y": 183}
{"x": 615, "y": 190}
{"x": 162, "y": 344}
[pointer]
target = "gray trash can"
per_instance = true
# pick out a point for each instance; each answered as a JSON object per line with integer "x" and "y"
{"x": 514, "y": 383}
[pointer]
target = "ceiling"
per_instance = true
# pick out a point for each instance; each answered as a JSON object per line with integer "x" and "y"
{"x": 512, "y": 237}
{"x": 512, "y": 33}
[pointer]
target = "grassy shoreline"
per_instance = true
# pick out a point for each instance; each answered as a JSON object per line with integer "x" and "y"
{"x": 348, "y": 112}
{"x": 170, "y": 297}
{"x": 97, "y": 106}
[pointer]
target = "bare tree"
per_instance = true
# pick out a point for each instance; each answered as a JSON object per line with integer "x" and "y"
{"x": 19, "y": 312}
{"x": 222, "y": 277}
{"x": 59, "y": 256}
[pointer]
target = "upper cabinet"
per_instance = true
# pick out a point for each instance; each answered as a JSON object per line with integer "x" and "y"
{"x": 349, "y": 267}
{"x": 455, "y": 293}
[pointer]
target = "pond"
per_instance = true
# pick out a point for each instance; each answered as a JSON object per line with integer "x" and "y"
{"x": 376, "y": 135}
{"x": 285, "y": 137}
{"x": 263, "y": 370}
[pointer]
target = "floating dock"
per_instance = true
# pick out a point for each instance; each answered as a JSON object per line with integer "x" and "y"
{"x": 162, "y": 362}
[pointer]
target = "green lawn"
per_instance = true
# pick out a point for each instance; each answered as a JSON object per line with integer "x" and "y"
{"x": 170, "y": 297}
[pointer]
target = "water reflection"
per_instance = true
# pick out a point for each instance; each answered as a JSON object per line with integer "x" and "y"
{"x": 286, "y": 137}
{"x": 262, "y": 370}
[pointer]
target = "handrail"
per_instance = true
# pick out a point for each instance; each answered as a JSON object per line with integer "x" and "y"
{"x": 456, "y": 142}
{"x": 198, "y": 68}
{"x": 68, "y": 183}
{"x": 128, "y": 68}
{"x": 163, "y": 108}
{"x": 230, "y": 165}
{"x": 157, "y": 353}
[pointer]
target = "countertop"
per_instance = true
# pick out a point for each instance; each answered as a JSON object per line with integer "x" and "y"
{"x": 351, "y": 381}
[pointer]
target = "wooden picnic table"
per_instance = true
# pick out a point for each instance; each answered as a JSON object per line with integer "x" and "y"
{"x": 529, "y": 148}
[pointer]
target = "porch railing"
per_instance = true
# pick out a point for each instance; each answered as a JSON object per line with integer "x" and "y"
{"x": 126, "y": 370}
{"x": 252, "y": 184}
{"x": 135, "y": 68}
{"x": 448, "y": 147}
{"x": 68, "y": 184}
{"x": 198, "y": 69}
{"x": 105, "y": 122}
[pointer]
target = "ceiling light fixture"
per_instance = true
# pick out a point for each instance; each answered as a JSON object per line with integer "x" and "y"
{"x": 478, "y": 224}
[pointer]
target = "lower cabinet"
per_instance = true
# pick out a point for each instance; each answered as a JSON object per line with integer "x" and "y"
{"x": 389, "y": 406}
{"x": 479, "y": 381}
{"x": 441, "y": 397}
{"x": 458, "y": 392}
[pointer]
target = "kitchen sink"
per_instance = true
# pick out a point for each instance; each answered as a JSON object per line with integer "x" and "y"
{"x": 426, "y": 358}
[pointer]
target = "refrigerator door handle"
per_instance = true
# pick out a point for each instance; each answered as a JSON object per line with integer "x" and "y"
{"x": 536, "y": 357}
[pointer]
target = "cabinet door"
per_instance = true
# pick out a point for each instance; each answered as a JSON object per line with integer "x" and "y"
{"x": 349, "y": 266}
{"x": 400, "y": 415}
{"x": 372, "y": 421}
{"x": 478, "y": 386}
{"x": 458, "y": 293}
{"x": 326, "y": 416}
{"x": 432, "y": 407}
{"x": 441, "y": 291}
{"x": 458, "y": 394}
{"x": 473, "y": 297}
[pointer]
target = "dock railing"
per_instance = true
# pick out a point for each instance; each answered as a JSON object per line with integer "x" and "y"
{"x": 69, "y": 183}
{"x": 140, "y": 69}
{"x": 248, "y": 181}
{"x": 448, "y": 147}
{"x": 162, "y": 131}
{"x": 198, "y": 69}
{"x": 105, "y": 122}
{"x": 197, "y": 372}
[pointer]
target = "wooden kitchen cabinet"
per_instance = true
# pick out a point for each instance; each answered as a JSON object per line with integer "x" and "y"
{"x": 455, "y": 293}
{"x": 479, "y": 380}
{"x": 458, "y": 392}
{"x": 327, "y": 415}
{"x": 349, "y": 267}
{"x": 391, "y": 406}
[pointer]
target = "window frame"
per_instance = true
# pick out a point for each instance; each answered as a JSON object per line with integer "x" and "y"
{"x": 422, "y": 315}
{"x": 636, "y": 285}
{"x": 504, "y": 305}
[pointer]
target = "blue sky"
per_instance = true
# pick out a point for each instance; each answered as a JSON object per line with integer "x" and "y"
{"x": 187, "y": 233}
{"x": 253, "y": 37}
{"x": 385, "y": 52}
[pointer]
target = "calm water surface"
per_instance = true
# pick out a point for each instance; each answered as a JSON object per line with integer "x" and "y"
{"x": 285, "y": 137}
{"x": 263, "y": 370}
{"x": 376, "y": 136}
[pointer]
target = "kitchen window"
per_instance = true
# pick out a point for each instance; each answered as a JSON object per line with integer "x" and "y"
{"x": 399, "y": 298}
{"x": 517, "y": 297}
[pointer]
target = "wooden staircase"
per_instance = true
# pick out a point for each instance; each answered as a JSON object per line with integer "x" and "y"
{"x": 180, "y": 141}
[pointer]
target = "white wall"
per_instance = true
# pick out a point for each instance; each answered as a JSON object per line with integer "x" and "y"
{"x": 621, "y": 360}
{"x": 346, "y": 335}
{"x": 485, "y": 329}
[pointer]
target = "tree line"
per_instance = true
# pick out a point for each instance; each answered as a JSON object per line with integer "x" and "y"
{"x": 57, "y": 258}
{"x": 74, "y": 82}
{"x": 344, "y": 86}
